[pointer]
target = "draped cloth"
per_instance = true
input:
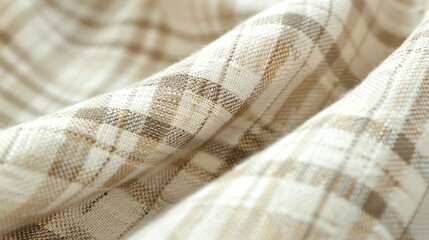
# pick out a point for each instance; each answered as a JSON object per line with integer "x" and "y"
{"x": 214, "y": 119}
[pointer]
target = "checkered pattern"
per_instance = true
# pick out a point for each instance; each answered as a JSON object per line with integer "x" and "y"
{"x": 105, "y": 167}
{"x": 45, "y": 65}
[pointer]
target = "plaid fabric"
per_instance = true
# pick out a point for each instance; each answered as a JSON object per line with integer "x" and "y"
{"x": 357, "y": 170}
{"x": 46, "y": 66}
{"x": 106, "y": 166}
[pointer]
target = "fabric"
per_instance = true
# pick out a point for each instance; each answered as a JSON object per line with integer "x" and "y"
{"x": 215, "y": 119}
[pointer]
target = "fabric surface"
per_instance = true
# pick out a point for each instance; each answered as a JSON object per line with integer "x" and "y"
{"x": 214, "y": 119}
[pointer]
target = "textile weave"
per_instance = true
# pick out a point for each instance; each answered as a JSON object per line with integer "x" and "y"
{"x": 214, "y": 119}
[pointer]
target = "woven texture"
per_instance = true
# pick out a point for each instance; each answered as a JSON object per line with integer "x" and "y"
{"x": 214, "y": 119}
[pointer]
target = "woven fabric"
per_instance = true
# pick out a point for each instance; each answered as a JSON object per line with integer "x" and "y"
{"x": 215, "y": 119}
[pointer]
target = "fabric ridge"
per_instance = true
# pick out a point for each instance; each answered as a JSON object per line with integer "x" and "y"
{"x": 215, "y": 119}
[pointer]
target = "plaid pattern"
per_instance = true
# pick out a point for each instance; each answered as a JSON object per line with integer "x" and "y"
{"x": 100, "y": 168}
{"x": 46, "y": 66}
{"x": 357, "y": 170}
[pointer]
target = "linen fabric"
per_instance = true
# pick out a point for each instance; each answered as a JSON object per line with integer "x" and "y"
{"x": 214, "y": 119}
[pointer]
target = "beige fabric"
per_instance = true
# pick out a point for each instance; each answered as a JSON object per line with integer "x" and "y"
{"x": 247, "y": 106}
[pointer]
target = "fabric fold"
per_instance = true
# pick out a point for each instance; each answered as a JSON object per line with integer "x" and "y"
{"x": 101, "y": 167}
{"x": 357, "y": 170}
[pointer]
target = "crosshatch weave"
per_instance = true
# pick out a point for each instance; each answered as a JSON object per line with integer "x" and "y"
{"x": 215, "y": 119}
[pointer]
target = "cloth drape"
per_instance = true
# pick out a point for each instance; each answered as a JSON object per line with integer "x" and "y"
{"x": 214, "y": 119}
